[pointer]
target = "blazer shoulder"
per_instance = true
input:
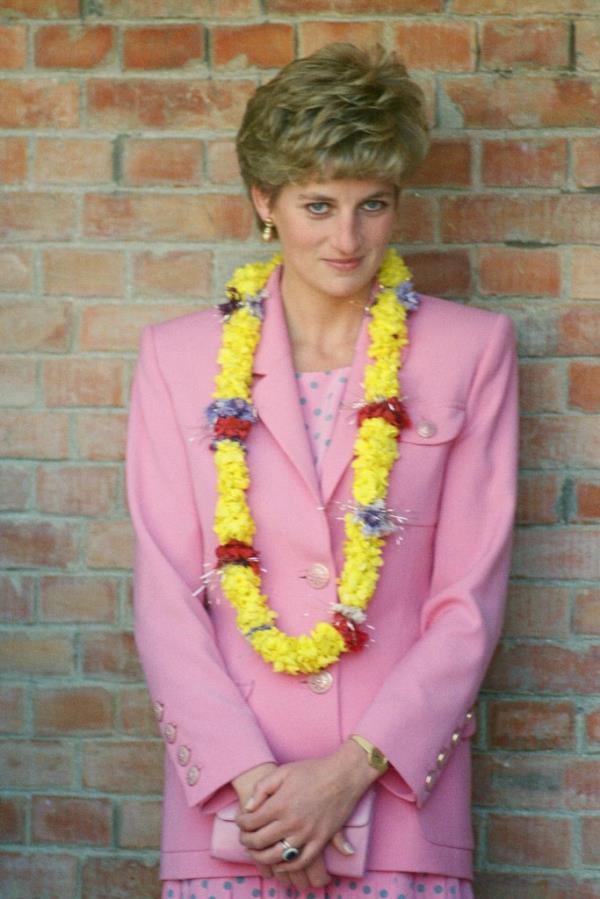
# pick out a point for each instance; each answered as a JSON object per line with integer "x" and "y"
{"x": 439, "y": 314}
{"x": 189, "y": 338}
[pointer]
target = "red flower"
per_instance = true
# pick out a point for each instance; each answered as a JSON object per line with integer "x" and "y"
{"x": 237, "y": 553}
{"x": 352, "y": 635}
{"x": 392, "y": 410}
{"x": 232, "y": 428}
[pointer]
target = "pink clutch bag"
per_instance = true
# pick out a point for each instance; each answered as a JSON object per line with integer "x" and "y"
{"x": 226, "y": 844}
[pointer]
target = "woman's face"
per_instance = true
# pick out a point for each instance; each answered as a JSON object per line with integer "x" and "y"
{"x": 334, "y": 234}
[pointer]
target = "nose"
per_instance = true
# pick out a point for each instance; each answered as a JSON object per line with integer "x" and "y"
{"x": 346, "y": 238}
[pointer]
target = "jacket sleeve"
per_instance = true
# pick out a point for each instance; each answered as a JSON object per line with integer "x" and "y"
{"x": 424, "y": 707}
{"x": 210, "y": 732}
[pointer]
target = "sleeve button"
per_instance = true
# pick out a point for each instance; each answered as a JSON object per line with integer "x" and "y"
{"x": 192, "y": 776}
{"x": 429, "y": 781}
{"x": 183, "y": 755}
{"x": 455, "y": 738}
{"x": 170, "y": 733}
{"x": 159, "y": 710}
{"x": 441, "y": 758}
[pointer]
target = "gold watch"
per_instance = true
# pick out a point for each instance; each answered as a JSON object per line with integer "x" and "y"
{"x": 376, "y": 758}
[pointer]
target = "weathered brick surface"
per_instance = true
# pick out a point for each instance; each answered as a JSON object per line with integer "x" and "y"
{"x": 121, "y": 206}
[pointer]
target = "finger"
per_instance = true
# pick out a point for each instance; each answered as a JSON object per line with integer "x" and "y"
{"x": 300, "y": 880}
{"x": 265, "y": 871}
{"x": 308, "y": 854}
{"x": 262, "y": 790}
{"x": 339, "y": 842}
{"x": 264, "y": 838}
{"x": 317, "y": 873}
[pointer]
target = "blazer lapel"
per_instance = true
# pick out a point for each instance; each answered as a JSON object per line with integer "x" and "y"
{"x": 275, "y": 391}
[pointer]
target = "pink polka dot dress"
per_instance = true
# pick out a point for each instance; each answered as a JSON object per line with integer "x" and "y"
{"x": 320, "y": 394}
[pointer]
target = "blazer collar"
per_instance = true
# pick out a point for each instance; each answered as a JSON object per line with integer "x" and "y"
{"x": 276, "y": 398}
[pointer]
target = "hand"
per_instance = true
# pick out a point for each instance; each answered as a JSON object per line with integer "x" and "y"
{"x": 244, "y": 786}
{"x": 306, "y": 803}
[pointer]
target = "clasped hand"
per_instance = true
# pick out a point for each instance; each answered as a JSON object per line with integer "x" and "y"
{"x": 307, "y": 804}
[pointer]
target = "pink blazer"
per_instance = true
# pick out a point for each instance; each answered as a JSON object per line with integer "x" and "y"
{"x": 436, "y": 614}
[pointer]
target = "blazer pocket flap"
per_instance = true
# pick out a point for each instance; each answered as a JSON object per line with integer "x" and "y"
{"x": 433, "y": 424}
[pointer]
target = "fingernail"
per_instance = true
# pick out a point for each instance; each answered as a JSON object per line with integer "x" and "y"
{"x": 249, "y": 805}
{"x": 349, "y": 848}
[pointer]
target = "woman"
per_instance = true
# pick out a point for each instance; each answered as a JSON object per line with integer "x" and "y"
{"x": 322, "y": 478}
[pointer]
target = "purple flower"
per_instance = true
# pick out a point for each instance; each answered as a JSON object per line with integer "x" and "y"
{"x": 408, "y": 296}
{"x": 236, "y": 407}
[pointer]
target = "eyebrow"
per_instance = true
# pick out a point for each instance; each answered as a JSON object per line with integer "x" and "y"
{"x": 373, "y": 196}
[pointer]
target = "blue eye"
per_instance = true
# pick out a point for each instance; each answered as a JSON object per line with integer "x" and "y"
{"x": 318, "y": 207}
{"x": 374, "y": 205}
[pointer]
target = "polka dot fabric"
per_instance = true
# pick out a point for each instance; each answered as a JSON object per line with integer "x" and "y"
{"x": 320, "y": 394}
{"x": 374, "y": 885}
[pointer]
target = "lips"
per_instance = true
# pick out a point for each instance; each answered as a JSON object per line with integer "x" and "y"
{"x": 344, "y": 265}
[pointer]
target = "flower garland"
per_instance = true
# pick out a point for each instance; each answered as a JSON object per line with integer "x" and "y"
{"x": 380, "y": 420}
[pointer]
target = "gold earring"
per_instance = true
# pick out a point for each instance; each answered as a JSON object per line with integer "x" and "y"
{"x": 267, "y": 231}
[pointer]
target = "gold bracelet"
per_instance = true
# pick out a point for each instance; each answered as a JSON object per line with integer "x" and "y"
{"x": 376, "y": 758}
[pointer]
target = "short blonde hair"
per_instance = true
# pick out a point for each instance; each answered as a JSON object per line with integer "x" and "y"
{"x": 341, "y": 112}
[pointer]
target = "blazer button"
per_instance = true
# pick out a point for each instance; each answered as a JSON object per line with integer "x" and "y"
{"x": 455, "y": 738}
{"x": 426, "y": 429}
{"x": 318, "y": 575}
{"x": 170, "y": 733}
{"x": 429, "y": 781}
{"x": 183, "y": 755}
{"x": 192, "y": 776}
{"x": 159, "y": 710}
{"x": 441, "y": 758}
{"x": 321, "y": 681}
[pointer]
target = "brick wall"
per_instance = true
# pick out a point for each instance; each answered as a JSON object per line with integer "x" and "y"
{"x": 121, "y": 206}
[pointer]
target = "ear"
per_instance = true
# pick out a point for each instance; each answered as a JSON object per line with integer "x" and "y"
{"x": 261, "y": 201}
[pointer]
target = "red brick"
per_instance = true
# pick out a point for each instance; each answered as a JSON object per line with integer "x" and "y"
{"x": 541, "y": 386}
{"x": 44, "y": 543}
{"x": 79, "y": 598}
{"x": 526, "y": 7}
{"x": 525, "y": 725}
{"x": 101, "y": 436}
{"x": 163, "y": 47}
{"x": 503, "y": 270}
{"x": 582, "y": 784}
{"x": 579, "y": 330}
{"x": 585, "y": 276}
{"x": 157, "y": 216}
{"x": 586, "y": 163}
{"x": 140, "y": 824}
{"x": 592, "y": 726}
{"x": 73, "y": 46}
{"x": 118, "y": 327}
{"x": 83, "y": 273}
{"x": 525, "y": 42}
{"x": 39, "y": 103}
{"x": 587, "y": 42}
{"x": 13, "y": 46}
{"x": 541, "y": 668}
{"x": 439, "y": 46}
{"x": 559, "y": 552}
{"x": 538, "y": 499}
{"x": 267, "y": 45}
{"x": 76, "y": 490}
{"x": 15, "y": 488}
{"x": 534, "y": 886}
{"x": 123, "y": 767}
{"x": 13, "y": 160}
{"x": 162, "y": 161}
{"x": 416, "y": 219}
{"x": 34, "y": 435}
{"x": 193, "y": 9}
{"x": 34, "y": 326}
{"x": 222, "y": 162}
{"x": 42, "y": 9}
{"x": 586, "y": 619}
{"x": 36, "y": 764}
{"x": 110, "y": 544}
{"x": 440, "y": 273}
{"x": 12, "y": 710}
{"x": 70, "y": 819}
{"x": 349, "y": 7}
{"x": 537, "y": 610}
{"x": 110, "y": 654}
{"x": 570, "y": 439}
{"x": 488, "y": 101}
{"x": 526, "y": 163}
{"x": 314, "y": 35}
{"x": 19, "y": 382}
{"x": 16, "y": 270}
{"x": 590, "y": 841}
{"x": 530, "y": 780}
{"x": 543, "y": 219}
{"x": 72, "y": 161}
{"x": 123, "y": 877}
{"x": 23, "y": 875}
{"x": 134, "y": 713}
{"x": 12, "y": 819}
{"x": 587, "y": 494}
{"x": 84, "y": 382}
{"x": 584, "y": 386}
{"x": 37, "y": 216}
{"x": 85, "y": 710}
{"x": 29, "y": 652}
{"x": 448, "y": 164}
{"x": 529, "y": 840}
{"x": 17, "y": 598}
{"x": 178, "y": 273}
{"x": 191, "y": 104}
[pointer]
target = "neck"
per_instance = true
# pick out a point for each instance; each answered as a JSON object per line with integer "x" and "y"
{"x": 322, "y": 329}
